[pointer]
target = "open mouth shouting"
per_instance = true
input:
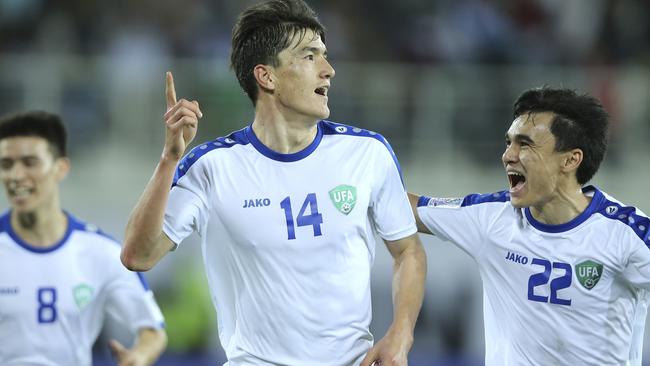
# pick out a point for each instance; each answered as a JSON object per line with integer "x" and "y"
{"x": 517, "y": 182}
{"x": 322, "y": 90}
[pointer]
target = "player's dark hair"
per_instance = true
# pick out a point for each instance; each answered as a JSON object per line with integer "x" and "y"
{"x": 263, "y": 31}
{"x": 580, "y": 122}
{"x": 39, "y": 124}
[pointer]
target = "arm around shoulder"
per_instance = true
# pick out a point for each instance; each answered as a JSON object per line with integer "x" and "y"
{"x": 413, "y": 200}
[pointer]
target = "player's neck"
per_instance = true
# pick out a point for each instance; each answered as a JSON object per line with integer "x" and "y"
{"x": 41, "y": 228}
{"x": 565, "y": 205}
{"x": 282, "y": 133}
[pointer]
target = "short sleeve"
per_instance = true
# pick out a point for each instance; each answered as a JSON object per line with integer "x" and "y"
{"x": 131, "y": 302}
{"x": 187, "y": 208}
{"x": 390, "y": 208}
{"x": 463, "y": 221}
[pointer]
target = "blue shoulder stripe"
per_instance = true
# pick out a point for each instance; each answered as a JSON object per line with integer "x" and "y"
{"x": 628, "y": 215}
{"x": 235, "y": 138}
{"x": 5, "y": 221}
{"x": 423, "y": 201}
{"x": 476, "y": 198}
{"x": 90, "y": 228}
{"x": 333, "y": 128}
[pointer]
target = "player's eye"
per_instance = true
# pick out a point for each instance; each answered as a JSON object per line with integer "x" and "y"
{"x": 310, "y": 57}
{"x": 30, "y": 162}
{"x": 6, "y": 164}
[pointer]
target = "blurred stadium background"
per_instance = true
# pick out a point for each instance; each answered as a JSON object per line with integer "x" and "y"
{"x": 436, "y": 77}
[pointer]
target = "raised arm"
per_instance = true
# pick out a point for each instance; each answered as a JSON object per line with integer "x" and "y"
{"x": 144, "y": 242}
{"x": 413, "y": 200}
{"x": 409, "y": 274}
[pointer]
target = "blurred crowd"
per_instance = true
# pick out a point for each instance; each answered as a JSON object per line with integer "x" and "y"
{"x": 414, "y": 31}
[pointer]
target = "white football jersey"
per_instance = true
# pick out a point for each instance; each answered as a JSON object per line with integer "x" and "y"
{"x": 570, "y": 294}
{"x": 53, "y": 301}
{"x": 288, "y": 240}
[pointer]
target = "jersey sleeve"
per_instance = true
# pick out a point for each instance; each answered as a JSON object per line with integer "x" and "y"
{"x": 637, "y": 270}
{"x": 187, "y": 208}
{"x": 390, "y": 208}
{"x": 131, "y": 303}
{"x": 457, "y": 220}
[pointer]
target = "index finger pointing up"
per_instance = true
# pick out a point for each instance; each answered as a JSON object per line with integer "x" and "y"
{"x": 170, "y": 91}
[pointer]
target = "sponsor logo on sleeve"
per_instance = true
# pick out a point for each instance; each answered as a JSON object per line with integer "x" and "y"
{"x": 445, "y": 202}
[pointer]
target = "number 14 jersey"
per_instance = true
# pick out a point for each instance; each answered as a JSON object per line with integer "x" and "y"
{"x": 288, "y": 240}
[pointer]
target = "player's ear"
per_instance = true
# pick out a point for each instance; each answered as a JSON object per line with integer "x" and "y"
{"x": 264, "y": 76}
{"x": 62, "y": 167}
{"x": 571, "y": 160}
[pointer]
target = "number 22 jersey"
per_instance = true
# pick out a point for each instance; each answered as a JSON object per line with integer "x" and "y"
{"x": 570, "y": 294}
{"x": 288, "y": 240}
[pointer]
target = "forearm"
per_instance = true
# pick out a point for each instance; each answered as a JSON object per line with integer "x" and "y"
{"x": 149, "y": 344}
{"x": 144, "y": 241}
{"x": 409, "y": 274}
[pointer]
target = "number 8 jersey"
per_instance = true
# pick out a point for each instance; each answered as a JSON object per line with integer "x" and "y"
{"x": 288, "y": 240}
{"x": 570, "y": 294}
{"x": 53, "y": 301}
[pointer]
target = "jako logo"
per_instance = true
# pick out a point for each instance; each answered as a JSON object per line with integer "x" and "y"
{"x": 258, "y": 202}
{"x": 517, "y": 258}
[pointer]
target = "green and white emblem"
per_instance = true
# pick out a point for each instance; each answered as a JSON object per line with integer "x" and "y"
{"x": 588, "y": 273}
{"x": 83, "y": 294}
{"x": 344, "y": 198}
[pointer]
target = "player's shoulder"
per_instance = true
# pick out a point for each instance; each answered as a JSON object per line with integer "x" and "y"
{"x": 5, "y": 221}
{"x": 92, "y": 235}
{"x": 615, "y": 213}
{"x": 203, "y": 151}
{"x": 331, "y": 128}
{"x": 355, "y": 135}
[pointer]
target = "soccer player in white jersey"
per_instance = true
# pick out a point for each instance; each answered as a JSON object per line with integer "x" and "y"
{"x": 287, "y": 209}
{"x": 60, "y": 277}
{"x": 565, "y": 267}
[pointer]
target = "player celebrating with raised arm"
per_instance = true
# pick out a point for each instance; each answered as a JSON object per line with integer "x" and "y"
{"x": 60, "y": 277}
{"x": 287, "y": 208}
{"x": 565, "y": 268}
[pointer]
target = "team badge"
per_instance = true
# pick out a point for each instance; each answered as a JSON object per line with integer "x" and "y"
{"x": 83, "y": 294}
{"x": 344, "y": 198}
{"x": 588, "y": 273}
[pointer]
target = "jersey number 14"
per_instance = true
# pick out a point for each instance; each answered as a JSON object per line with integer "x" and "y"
{"x": 314, "y": 218}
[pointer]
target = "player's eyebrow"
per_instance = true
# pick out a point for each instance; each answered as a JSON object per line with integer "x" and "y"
{"x": 520, "y": 138}
{"x": 315, "y": 50}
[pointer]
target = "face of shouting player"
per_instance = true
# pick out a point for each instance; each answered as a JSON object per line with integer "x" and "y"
{"x": 534, "y": 168}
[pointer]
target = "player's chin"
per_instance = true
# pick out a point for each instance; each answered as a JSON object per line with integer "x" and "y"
{"x": 323, "y": 113}
{"x": 518, "y": 202}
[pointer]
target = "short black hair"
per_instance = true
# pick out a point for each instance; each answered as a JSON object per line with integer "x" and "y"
{"x": 263, "y": 31}
{"x": 580, "y": 122}
{"x": 37, "y": 123}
